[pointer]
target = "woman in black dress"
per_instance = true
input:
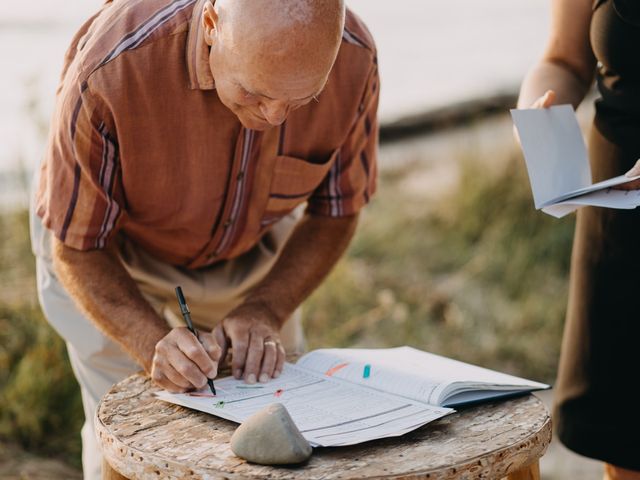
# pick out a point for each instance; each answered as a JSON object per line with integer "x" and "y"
{"x": 597, "y": 411}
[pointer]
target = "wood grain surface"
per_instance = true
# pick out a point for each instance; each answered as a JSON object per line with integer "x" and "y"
{"x": 145, "y": 438}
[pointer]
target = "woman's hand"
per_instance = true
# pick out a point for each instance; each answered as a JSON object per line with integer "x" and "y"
{"x": 634, "y": 184}
{"x": 546, "y": 100}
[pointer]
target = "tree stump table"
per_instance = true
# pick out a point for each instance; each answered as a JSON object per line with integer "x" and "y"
{"x": 145, "y": 438}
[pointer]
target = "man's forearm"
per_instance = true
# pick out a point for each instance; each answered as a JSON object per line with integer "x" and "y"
{"x": 107, "y": 294}
{"x": 313, "y": 249}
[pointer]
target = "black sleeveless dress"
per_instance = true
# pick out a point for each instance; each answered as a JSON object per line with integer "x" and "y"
{"x": 597, "y": 410}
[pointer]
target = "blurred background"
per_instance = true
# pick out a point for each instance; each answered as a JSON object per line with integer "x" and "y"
{"x": 450, "y": 257}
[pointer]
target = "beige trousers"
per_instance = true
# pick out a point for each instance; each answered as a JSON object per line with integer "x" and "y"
{"x": 98, "y": 362}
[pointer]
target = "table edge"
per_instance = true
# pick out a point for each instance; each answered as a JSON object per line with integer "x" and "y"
{"x": 542, "y": 436}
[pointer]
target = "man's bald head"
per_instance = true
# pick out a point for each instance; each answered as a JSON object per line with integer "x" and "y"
{"x": 268, "y": 19}
{"x": 271, "y": 56}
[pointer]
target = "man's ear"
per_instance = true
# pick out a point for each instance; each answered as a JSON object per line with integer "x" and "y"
{"x": 209, "y": 22}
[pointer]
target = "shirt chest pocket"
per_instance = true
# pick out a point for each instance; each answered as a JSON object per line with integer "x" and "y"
{"x": 293, "y": 182}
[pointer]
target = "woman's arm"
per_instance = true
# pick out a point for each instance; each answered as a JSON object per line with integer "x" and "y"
{"x": 566, "y": 70}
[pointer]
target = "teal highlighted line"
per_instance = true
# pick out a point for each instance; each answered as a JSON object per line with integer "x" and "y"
{"x": 367, "y": 371}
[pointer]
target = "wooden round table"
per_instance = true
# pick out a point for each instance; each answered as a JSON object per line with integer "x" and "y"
{"x": 145, "y": 438}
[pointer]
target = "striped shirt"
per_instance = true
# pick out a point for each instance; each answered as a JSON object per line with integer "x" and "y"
{"x": 141, "y": 145}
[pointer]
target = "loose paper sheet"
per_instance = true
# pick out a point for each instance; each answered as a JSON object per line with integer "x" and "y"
{"x": 328, "y": 411}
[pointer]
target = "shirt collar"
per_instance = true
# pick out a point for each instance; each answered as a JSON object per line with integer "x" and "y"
{"x": 197, "y": 55}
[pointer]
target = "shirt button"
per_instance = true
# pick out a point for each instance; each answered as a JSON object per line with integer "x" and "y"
{"x": 240, "y": 176}
{"x": 228, "y": 223}
{"x": 211, "y": 256}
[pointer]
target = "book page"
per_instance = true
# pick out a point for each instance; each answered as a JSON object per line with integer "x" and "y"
{"x": 608, "y": 198}
{"x": 410, "y": 372}
{"x": 327, "y": 411}
{"x": 561, "y": 209}
{"x": 603, "y": 186}
{"x": 554, "y": 151}
{"x": 558, "y": 164}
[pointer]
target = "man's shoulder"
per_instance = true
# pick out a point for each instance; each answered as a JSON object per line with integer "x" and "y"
{"x": 124, "y": 26}
{"x": 356, "y": 33}
{"x": 357, "y": 57}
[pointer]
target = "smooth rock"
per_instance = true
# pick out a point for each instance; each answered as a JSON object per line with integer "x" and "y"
{"x": 269, "y": 437}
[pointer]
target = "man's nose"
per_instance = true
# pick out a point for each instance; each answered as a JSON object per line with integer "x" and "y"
{"x": 274, "y": 111}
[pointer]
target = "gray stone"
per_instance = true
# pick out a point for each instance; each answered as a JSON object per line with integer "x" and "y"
{"x": 269, "y": 437}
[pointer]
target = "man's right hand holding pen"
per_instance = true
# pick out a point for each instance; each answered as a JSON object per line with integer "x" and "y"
{"x": 181, "y": 362}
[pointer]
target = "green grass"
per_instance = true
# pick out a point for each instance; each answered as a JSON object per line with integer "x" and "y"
{"x": 478, "y": 275}
{"x": 40, "y": 405}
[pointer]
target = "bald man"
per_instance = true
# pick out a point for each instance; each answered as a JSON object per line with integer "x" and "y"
{"x": 227, "y": 148}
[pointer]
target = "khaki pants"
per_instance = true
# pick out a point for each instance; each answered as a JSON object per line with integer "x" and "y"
{"x": 99, "y": 362}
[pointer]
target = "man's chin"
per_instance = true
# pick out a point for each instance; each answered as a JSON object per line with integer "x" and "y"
{"x": 259, "y": 126}
{"x": 253, "y": 123}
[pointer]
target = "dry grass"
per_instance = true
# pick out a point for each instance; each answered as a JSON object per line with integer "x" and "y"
{"x": 478, "y": 275}
{"x": 40, "y": 406}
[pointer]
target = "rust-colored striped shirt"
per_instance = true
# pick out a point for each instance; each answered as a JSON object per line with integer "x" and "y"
{"x": 140, "y": 143}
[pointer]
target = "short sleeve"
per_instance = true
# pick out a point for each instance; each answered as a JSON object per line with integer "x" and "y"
{"x": 80, "y": 195}
{"x": 351, "y": 181}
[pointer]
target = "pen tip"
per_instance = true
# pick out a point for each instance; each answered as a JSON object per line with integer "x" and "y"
{"x": 179, "y": 294}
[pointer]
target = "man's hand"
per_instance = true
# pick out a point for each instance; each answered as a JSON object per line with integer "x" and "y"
{"x": 109, "y": 297}
{"x": 182, "y": 363}
{"x": 252, "y": 334}
{"x": 252, "y": 330}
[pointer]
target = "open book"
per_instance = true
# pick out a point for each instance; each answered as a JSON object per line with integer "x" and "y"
{"x": 347, "y": 396}
{"x": 558, "y": 165}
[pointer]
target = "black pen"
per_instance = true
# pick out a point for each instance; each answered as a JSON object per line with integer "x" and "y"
{"x": 187, "y": 318}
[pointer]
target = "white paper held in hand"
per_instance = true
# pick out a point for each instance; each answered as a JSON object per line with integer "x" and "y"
{"x": 558, "y": 165}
